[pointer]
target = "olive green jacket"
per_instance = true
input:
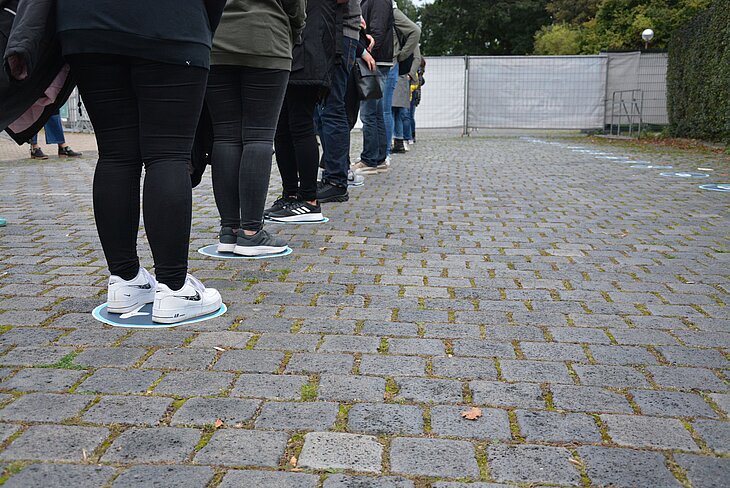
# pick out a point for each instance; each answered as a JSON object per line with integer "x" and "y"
{"x": 258, "y": 33}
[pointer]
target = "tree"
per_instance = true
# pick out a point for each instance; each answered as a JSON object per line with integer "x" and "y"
{"x": 573, "y": 11}
{"x": 558, "y": 39}
{"x": 473, "y": 27}
{"x": 407, "y": 7}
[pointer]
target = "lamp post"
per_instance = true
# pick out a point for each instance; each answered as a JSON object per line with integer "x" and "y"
{"x": 647, "y": 35}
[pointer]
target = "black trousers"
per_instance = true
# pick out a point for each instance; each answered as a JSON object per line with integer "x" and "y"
{"x": 244, "y": 105}
{"x": 144, "y": 114}
{"x": 297, "y": 153}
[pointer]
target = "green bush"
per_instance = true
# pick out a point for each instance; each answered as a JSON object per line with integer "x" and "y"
{"x": 698, "y": 76}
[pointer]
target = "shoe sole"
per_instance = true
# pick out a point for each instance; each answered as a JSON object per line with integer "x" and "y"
{"x": 226, "y": 247}
{"x": 352, "y": 183}
{"x": 315, "y": 217}
{"x": 181, "y": 317}
{"x": 39, "y": 158}
{"x": 126, "y": 308}
{"x": 257, "y": 250}
{"x": 335, "y": 198}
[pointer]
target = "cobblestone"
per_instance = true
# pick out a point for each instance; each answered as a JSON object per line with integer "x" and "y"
{"x": 580, "y": 303}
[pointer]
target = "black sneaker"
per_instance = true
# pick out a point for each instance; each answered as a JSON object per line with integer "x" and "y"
{"x": 67, "y": 152}
{"x": 226, "y": 240}
{"x": 37, "y": 153}
{"x": 327, "y": 192}
{"x": 398, "y": 147}
{"x": 298, "y": 211}
{"x": 259, "y": 244}
{"x": 278, "y": 204}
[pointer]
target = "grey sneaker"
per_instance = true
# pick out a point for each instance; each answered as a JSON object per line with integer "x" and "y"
{"x": 354, "y": 179}
{"x": 226, "y": 240}
{"x": 259, "y": 244}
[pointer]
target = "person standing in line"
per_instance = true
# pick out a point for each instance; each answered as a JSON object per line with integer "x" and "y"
{"x": 417, "y": 81}
{"x": 378, "y": 15}
{"x": 405, "y": 42}
{"x": 141, "y": 68}
{"x": 334, "y": 130}
{"x": 401, "y": 104}
{"x": 250, "y": 64}
{"x": 297, "y": 154}
{"x": 54, "y": 135}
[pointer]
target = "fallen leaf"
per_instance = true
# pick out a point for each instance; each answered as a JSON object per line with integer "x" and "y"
{"x": 218, "y": 423}
{"x": 575, "y": 462}
{"x": 472, "y": 414}
{"x": 293, "y": 461}
{"x": 219, "y": 349}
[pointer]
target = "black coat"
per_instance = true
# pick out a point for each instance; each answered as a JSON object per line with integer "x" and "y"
{"x": 315, "y": 56}
{"x": 30, "y": 36}
{"x": 378, "y": 15}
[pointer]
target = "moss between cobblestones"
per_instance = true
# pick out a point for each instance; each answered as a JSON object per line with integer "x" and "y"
{"x": 65, "y": 362}
{"x": 309, "y": 390}
{"x": 145, "y": 356}
{"x": 514, "y": 427}
{"x": 116, "y": 431}
{"x": 391, "y": 389}
{"x": 11, "y": 470}
{"x": 677, "y": 470}
{"x": 548, "y": 396}
{"x": 383, "y": 346}
{"x": 481, "y": 456}
{"x": 252, "y": 341}
{"x": 498, "y": 367}
{"x": 572, "y": 373}
{"x": 342, "y": 417}
{"x": 610, "y": 336}
{"x": 578, "y": 463}
{"x": 602, "y": 428}
{"x": 466, "y": 392}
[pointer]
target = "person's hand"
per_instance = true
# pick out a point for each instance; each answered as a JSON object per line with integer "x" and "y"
{"x": 363, "y": 24}
{"x": 372, "y": 42}
{"x": 368, "y": 58}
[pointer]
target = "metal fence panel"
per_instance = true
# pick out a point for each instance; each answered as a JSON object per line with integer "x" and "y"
{"x": 442, "y": 99}
{"x": 537, "y": 92}
{"x": 653, "y": 83}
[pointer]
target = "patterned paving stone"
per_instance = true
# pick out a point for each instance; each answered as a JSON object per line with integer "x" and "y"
{"x": 557, "y": 427}
{"x": 610, "y": 376}
{"x": 589, "y": 399}
{"x": 626, "y": 468}
{"x": 194, "y": 383}
{"x": 465, "y": 368}
{"x": 119, "y": 381}
{"x": 532, "y": 464}
{"x": 640, "y": 431}
{"x": 249, "y": 361}
{"x": 273, "y": 387}
{"x": 42, "y": 379}
{"x": 447, "y": 421}
{"x": 386, "y": 365}
{"x": 44, "y": 407}
{"x": 331, "y": 450}
{"x": 127, "y": 410}
{"x": 161, "y": 444}
{"x": 705, "y": 472}
{"x": 152, "y": 476}
{"x": 320, "y": 363}
{"x": 715, "y": 434}
{"x": 243, "y": 448}
{"x": 522, "y": 395}
{"x": 351, "y": 388}
{"x": 433, "y": 457}
{"x": 269, "y": 479}
{"x": 345, "y": 481}
{"x": 380, "y": 418}
{"x": 536, "y": 371}
{"x": 672, "y": 404}
{"x": 687, "y": 378}
{"x": 425, "y": 390}
{"x": 205, "y": 411}
{"x": 114, "y": 357}
{"x": 297, "y": 416}
{"x": 55, "y": 443}
{"x": 46, "y": 475}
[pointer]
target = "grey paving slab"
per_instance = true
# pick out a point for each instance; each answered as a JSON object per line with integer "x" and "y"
{"x": 433, "y": 457}
{"x": 164, "y": 476}
{"x": 273, "y": 387}
{"x": 243, "y": 448}
{"x": 642, "y": 431}
{"x": 145, "y": 445}
{"x": 705, "y": 472}
{"x": 524, "y": 395}
{"x": 127, "y": 410}
{"x": 205, "y": 411}
{"x": 332, "y": 450}
{"x": 672, "y": 404}
{"x": 194, "y": 383}
{"x": 44, "y": 407}
{"x": 557, "y": 427}
{"x": 55, "y": 443}
{"x": 715, "y": 434}
{"x": 589, "y": 399}
{"x": 381, "y": 418}
{"x": 447, "y": 421}
{"x": 119, "y": 381}
{"x": 42, "y": 379}
{"x": 532, "y": 464}
{"x": 297, "y": 416}
{"x": 426, "y": 390}
{"x": 269, "y": 479}
{"x": 351, "y": 388}
{"x": 47, "y": 475}
{"x": 346, "y": 481}
{"x": 626, "y": 468}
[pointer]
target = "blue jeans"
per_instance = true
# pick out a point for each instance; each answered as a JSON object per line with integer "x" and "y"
{"x": 374, "y": 141}
{"x": 54, "y": 131}
{"x": 390, "y": 84}
{"x": 331, "y": 120}
{"x": 413, "y": 121}
{"x": 401, "y": 123}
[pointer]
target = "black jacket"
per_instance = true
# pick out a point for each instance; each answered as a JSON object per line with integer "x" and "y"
{"x": 378, "y": 15}
{"x": 314, "y": 58}
{"x": 29, "y": 38}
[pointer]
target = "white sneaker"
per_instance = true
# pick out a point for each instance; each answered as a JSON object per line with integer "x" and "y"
{"x": 125, "y": 296}
{"x": 190, "y": 301}
{"x": 361, "y": 168}
{"x": 355, "y": 179}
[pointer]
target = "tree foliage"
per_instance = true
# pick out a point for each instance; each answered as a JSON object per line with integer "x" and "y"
{"x": 460, "y": 27}
{"x": 559, "y": 39}
{"x": 407, "y": 7}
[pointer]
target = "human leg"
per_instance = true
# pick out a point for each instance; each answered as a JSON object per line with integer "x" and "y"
{"x": 286, "y": 158}
{"x": 390, "y": 83}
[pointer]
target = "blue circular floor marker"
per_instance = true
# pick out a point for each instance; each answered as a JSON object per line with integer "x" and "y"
{"x": 724, "y": 187}
{"x": 685, "y": 174}
{"x": 635, "y": 161}
{"x": 142, "y": 317}
{"x": 298, "y": 223}
{"x": 650, "y": 166}
{"x": 3, "y": 222}
{"x": 212, "y": 251}
{"x": 613, "y": 158}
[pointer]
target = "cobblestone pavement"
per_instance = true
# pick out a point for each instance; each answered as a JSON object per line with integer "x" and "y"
{"x": 581, "y": 303}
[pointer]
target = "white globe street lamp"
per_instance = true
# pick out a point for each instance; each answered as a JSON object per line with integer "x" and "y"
{"x": 647, "y": 35}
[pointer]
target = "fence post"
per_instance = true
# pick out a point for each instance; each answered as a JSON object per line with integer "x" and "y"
{"x": 465, "y": 130}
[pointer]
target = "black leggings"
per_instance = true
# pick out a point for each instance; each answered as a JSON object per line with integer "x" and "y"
{"x": 144, "y": 113}
{"x": 297, "y": 154}
{"x": 244, "y": 105}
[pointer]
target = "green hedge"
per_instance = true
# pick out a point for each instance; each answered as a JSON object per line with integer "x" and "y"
{"x": 698, "y": 77}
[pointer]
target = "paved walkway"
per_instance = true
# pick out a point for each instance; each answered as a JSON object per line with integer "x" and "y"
{"x": 581, "y": 303}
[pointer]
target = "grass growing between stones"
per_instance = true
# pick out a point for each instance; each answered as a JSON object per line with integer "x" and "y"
{"x": 66, "y": 362}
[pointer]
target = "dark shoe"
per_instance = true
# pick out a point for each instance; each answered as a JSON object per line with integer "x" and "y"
{"x": 298, "y": 211}
{"x": 278, "y": 204}
{"x": 227, "y": 240}
{"x": 327, "y": 192}
{"x": 398, "y": 147}
{"x": 37, "y": 153}
{"x": 259, "y": 244}
{"x": 67, "y": 152}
